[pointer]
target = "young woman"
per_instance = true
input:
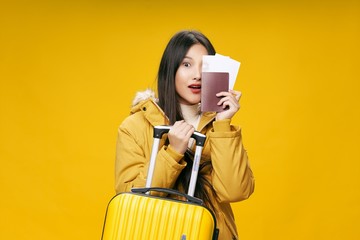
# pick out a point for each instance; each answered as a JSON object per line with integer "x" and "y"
{"x": 225, "y": 175}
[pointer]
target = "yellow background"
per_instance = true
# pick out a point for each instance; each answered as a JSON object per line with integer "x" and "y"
{"x": 68, "y": 73}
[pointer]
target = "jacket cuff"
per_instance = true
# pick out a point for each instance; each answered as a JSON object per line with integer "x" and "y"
{"x": 222, "y": 125}
{"x": 174, "y": 154}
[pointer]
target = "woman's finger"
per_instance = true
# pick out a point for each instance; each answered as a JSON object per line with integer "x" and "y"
{"x": 236, "y": 94}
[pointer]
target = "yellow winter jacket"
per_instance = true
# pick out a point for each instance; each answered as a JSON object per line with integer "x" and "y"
{"x": 231, "y": 176}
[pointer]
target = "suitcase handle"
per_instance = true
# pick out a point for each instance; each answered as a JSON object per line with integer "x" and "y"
{"x": 160, "y": 130}
{"x": 168, "y": 191}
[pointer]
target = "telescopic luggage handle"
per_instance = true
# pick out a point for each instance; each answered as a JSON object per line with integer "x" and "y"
{"x": 200, "y": 141}
{"x": 159, "y": 131}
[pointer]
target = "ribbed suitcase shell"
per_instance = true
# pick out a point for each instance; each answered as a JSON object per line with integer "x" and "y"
{"x": 133, "y": 216}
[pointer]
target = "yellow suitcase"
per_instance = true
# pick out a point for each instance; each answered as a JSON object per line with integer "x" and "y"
{"x": 139, "y": 215}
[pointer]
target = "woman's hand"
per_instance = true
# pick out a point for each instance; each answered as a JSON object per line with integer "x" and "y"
{"x": 230, "y": 102}
{"x": 179, "y": 136}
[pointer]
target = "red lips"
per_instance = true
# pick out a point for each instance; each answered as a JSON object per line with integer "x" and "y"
{"x": 195, "y": 88}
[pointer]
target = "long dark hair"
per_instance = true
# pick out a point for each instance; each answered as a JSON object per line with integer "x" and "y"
{"x": 172, "y": 57}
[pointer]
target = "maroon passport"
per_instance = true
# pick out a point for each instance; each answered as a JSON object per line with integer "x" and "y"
{"x": 211, "y": 84}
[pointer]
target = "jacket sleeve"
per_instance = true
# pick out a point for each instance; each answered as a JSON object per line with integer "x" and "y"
{"x": 232, "y": 176}
{"x": 133, "y": 152}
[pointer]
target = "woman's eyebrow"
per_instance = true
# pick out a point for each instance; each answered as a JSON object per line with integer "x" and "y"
{"x": 187, "y": 57}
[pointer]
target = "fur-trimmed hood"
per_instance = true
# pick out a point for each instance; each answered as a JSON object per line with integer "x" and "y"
{"x": 144, "y": 95}
{"x": 146, "y": 103}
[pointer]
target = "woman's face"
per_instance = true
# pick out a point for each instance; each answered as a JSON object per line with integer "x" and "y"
{"x": 188, "y": 75}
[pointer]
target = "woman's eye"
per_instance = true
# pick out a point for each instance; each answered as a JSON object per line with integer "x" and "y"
{"x": 186, "y": 64}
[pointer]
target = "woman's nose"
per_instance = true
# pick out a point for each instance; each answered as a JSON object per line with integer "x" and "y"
{"x": 197, "y": 74}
